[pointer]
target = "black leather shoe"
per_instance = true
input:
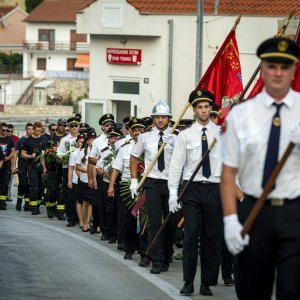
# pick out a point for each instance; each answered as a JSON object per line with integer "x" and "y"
{"x": 34, "y": 211}
{"x": 103, "y": 238}
{"x": 50, "y": 214}
{"x": 187, "y": 289}
{"x": 93, "y": 230}
{"x": 164, "y": 267}
{"x": 155, "y": 269}
{"x": 71, "y": 224}
{"x": 228, "y": 281}
{"x": 128, "y": 255}
{"x": 205, "y": 290}
{"x": 112, "y": 241}
{"x": 120, "y": 247}
{"x": 18, "y": 207}
{"x": 61, "y": 218}
{"x": 145, "y": 262}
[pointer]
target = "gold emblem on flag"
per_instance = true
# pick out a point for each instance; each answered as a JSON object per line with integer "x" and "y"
{"x": 203, "y": 138}
{"x": 276, "y": 121}
{"x": 199, "y": 93}
{"x": 282, "y": 46}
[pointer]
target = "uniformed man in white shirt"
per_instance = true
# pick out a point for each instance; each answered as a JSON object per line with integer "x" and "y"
{"x": 95, "y": 180}
{"x": 257, "y": 134}
{"x": 109, "y": 227}
{"x": 121, "y": 163}
{"x": 201, "y": 203}
{"x": 66, "y": 202}
{"x": 156, "y": 186}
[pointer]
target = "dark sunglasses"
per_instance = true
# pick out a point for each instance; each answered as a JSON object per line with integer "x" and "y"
{"x": 53, "y": 129}
{"x": 63, "y": 125}
{"x": 72, "y": 126}
{"x": 67, "y": 131}
{"x": 108, "y": 125}
{"x": 5, "y": 130}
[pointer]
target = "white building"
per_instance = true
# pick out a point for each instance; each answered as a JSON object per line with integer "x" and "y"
{"x": 157, "y": 41}
{"x": 52, "y": 44}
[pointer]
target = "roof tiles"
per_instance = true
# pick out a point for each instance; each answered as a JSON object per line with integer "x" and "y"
{"x": 4, "y": 10}
{"x": 225, "y": 7}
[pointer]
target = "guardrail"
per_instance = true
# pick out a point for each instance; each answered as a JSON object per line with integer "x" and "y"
{"x": 57, "y": 46}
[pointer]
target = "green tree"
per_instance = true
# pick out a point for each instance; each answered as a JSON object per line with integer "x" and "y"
{"x": 31, "y": 5}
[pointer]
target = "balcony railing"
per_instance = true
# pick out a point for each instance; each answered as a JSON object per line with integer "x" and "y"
{"x": 55, "y": 46}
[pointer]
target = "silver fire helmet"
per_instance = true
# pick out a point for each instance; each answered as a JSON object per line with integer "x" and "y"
{"x": 161, "y": 109}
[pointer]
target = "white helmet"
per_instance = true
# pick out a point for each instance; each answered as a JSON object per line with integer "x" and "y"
{"x": 161, "y": 109}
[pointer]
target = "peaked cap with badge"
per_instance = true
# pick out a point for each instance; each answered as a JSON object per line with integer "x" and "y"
{"x": 279, "y": 49}
{"x": 136, "y": 123}
{"x": 106, "y": 118}
{"x": 114, "y": 132}
{"x": 201, "y": 95}
{"x": 73, "y": 121}
{"x": 215, "y": 110}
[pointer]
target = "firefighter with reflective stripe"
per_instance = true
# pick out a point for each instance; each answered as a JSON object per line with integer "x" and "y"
{"x": 8, "y": 148}
{"x": 23, "y": 186}
{"x": 31, "y": 150}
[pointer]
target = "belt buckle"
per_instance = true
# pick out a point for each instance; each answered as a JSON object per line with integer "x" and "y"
{"x": 276, "y": 201}
{"x": 205, "y": 182}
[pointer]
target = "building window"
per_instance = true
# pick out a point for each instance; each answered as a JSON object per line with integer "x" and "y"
{"x": 43, "y": 35}
{"x": 112, "y": 15}
{"x": 123, "y": 87}
{"x": 41, "y": 64}
{"x": 71, "y": 65}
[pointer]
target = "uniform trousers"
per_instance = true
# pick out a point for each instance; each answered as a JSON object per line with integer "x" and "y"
{"x": 67, "y": 199}
{"x": 129, "y": 228}
{"x": 99, "y": 201}
{"x": 5, "y": 175}
{"x": 95, "y": 207}
{"x": 54, "y": 181}
{"x": 110, "y": 213}
{"x": 202, "y": 216}
{"x": 23, "y": 187}
{"x": 226, "y": 261}
{"x": 157, "y": 197}
{"x": 36, "y": 185}
{"x": 274, "y": 247}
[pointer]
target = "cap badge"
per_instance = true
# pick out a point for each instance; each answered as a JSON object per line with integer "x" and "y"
{"x": 108, "y": 115}
{"x": 199, "y": 93}
{"x": 282, "y": 46}
{"x": 134, "y": 120}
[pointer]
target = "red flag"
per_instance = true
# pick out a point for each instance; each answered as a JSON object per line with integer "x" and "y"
{"x": 295, "y": 84}
{"x": 224, "y": 77}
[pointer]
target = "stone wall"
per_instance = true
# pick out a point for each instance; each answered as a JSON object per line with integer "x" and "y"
{"x": 47, "y": 110}
{"x": 72, "y": 89}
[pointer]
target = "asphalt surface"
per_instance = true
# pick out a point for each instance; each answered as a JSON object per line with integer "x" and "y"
{"x": 43, "y": 259}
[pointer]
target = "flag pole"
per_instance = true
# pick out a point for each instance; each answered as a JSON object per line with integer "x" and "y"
{"x": 281, "y": 31}
{"x": 148, "y": 170}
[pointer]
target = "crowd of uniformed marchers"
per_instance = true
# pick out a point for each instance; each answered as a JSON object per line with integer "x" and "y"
{"x": 94, "y": 180}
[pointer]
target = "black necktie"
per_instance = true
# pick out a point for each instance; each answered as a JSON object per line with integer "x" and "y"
{"x": 273, "y": 146}
{"x": 206, "y": 164}
{"x": 161, "y": 158}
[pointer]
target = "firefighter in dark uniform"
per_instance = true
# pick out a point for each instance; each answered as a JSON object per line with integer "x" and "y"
{"x": 8, "y": 148}
{"x": 201, "y": 203}
{"x": 257, "y": 134}
{"x": 32, "y": 148}
{"x": 54, "y": 169}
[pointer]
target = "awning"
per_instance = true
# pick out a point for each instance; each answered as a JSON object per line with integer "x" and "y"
{"x": 82, "y": 61}
{"x": 43, "y": 84}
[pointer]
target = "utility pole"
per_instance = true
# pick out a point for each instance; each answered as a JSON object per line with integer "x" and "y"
{"x": 199, "y": 39}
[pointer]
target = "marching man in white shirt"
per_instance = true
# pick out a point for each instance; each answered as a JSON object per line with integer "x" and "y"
{"x": 156, "y": 184}
{"x": 257, "y": 134}
{"x": 201, "y": 202}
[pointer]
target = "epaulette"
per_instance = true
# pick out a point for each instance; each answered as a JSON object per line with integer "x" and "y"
{"x": 126, "y": 143}
{"x": 147, "y": 130}
{"x": 176, "y": 132}
{"x": 104, "y": 149}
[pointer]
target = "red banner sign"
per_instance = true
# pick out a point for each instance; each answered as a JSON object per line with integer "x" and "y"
{"x": 124, "y": 56}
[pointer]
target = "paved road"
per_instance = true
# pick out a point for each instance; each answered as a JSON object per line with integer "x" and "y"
{"x": 42, "y": 259}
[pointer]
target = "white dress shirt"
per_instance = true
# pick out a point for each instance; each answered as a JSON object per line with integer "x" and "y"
{"x": 245, "y": 142}
{"x": 72, "y": 163}
{"x": 122, "y": 161}
{"x": 148, "y": 143}
{"x": 83, "y": 175}
{"x": 61, "y": 149}
{"x": 188, "y": 153}
{"x": 98, "y": 144}
{"x": 100, "y": 163}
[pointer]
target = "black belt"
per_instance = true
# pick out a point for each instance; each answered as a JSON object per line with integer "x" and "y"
{"x": 274, "y": 201}
{"x": 204, "y": 182}
{"x": 157, "y": 180}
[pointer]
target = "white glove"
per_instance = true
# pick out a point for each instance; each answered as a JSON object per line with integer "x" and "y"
{"x": 173, "y": 204}
{"x": 295, "y": 134}
{"x": 232, "y": 234}
{"x": 133, "y": 187}
{"x": 168, "y": 139}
